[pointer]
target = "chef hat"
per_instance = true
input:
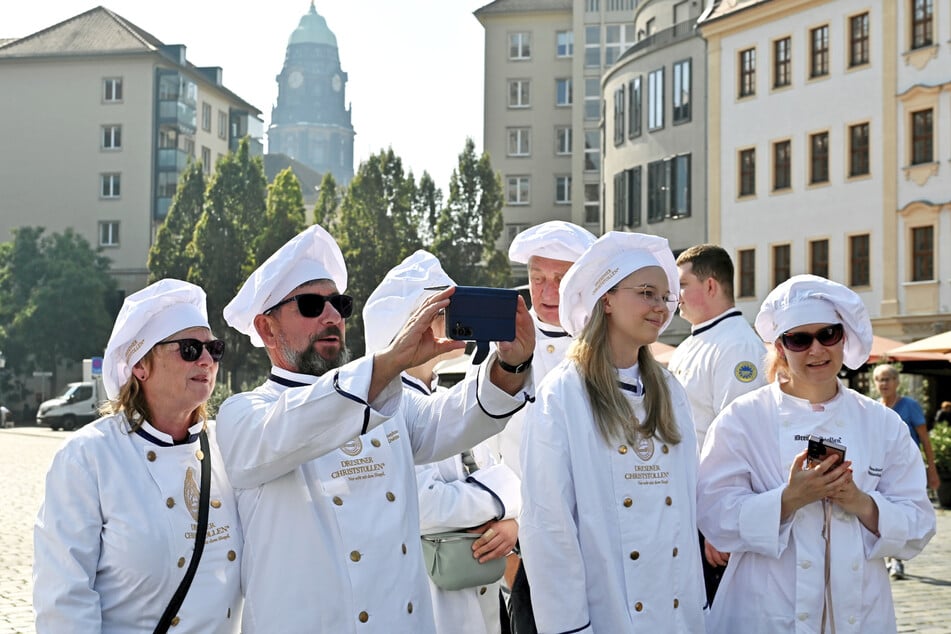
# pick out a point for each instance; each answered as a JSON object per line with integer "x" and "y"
{"x": 146, "y": 317}
{"x": 401, "y": 292}
{"x": 312, "y": 254}
{"x": 810, "y": 299}
{"x": 610, "y": 259}
{"x": 556, "y": 239}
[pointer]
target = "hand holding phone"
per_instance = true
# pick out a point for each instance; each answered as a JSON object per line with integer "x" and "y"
{"x": 819, "y": 449}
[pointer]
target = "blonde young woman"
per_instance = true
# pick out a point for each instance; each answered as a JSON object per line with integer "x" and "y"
{"x": 608, "y": 527}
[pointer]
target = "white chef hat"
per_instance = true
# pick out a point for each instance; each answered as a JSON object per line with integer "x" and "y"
{"x": 555, "y": 239}
{"x": 611, "y": 258}
{"x": 312, "y": 254}
{"x": 810, "y": 299}
{"x": 401, "y": 292}
{"x": 146, "y": 317}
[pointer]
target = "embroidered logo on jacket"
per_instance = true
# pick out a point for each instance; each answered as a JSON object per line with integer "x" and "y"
{"x": 745, "y": 371}
{"x": 352, "y": 447}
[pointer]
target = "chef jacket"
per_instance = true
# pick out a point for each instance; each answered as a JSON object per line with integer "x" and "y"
{"x": 327, "y": 494}
{"x": 116, "y": 532}
{"x": 608, "y": 532}
{"x": 450, "y": 499}
{"x": 775, "y": 580}
{"x": 721, "y": 359}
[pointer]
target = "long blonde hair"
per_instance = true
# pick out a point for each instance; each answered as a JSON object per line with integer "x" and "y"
{"x": 612, "y": 411}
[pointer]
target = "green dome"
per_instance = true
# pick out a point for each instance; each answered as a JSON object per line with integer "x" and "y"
{"x": 313, "y": 30}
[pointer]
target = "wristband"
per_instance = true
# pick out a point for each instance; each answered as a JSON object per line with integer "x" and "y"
{"x": 516, "y": 369}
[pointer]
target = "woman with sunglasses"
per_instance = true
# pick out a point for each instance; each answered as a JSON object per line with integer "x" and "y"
{"x": 116, "y": 534}
{"x": 808, "y": 534}
{"x": 608, "y": 528}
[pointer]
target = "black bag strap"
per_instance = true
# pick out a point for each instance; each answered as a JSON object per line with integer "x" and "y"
{"x": 179, "y": 597}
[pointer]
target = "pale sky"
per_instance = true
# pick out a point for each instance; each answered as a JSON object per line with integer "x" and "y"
{"x": 415, "y": 67}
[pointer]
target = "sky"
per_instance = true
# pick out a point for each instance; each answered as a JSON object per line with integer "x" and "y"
{"x": 415, "y": 67}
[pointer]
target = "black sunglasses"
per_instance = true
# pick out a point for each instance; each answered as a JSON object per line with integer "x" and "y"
{"x": 312, "y": 305}
{"x": 799, "y": 341}
{"x": 190, "y": 349}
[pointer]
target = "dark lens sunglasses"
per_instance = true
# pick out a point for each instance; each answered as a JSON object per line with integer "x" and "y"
{"x": 800, "y": 341}
{"x": 190, "y": 349}
{"x": 312, "y": 305}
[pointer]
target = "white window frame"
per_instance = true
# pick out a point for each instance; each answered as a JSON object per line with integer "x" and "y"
{"x": 518, "y": 141}
{"x": 563, "y": 92}
{"x": 523, "y": 94}
{"x": 520, "y": 46}
{"x": 564, "y": 44}
{"x": 206, "y": 160}
{"x": 562, "y": 190}
{"x": 222, "y": 125}
{"x": 111, "y": 138}
{"x": 110, "y": 185}
{"x": 110, "y": 87}
{"x": 518, "y": 190}
{"x": 206, "y": 116}
{"x": 563, "y": 140}
{"x": 108, "y": 233}
{"x": 655, "y": 99}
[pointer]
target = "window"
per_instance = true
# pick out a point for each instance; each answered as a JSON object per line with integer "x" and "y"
{"x": 858, "y": 40}
{"x": 819, "y": 158}
{"x": 858, "y": 260}
{"x": 680, "y": 186}
{"x": 747, "y": 272}
{"x": 617, "y": 39}
{"x": 780, "y": 264}
{"x": 519, "y": 142}
{"x": 627, "y": 198}
{"x": 109, "y": 233}
{"x": 206, "y": 116}
{"x": 167, "y": 183}
{"x": 592, "y": 99}
{"x": 592, "y": 203}
{"x": 592, "y": 47}
{"x": 619, "y": 102}
{"x": 520, "y": 45}
{"x": 922, "y": 23}
{"x": 782, "y": 165}
{"x": 563, "y": 91}
{"x": 681, "y": 91}
{"x": 519, "y": 93}
{"x": 206, "y": 160}
{"x": 513, "y": 229}
{"x": 782, "y": 62}
{"x": 592, "y": 151}
{"x": 563, "y": 140}
{"x": 111, "y": 137}
{"x": 562, "y": 190}
{"x": 564, "y": 44}
{"x": 922, "y": 254}
{"x": 112, "y": 89}
{"x": 748, "y": 72}
{"x": 109, "y": 185}
{"x": 222, "y": 124}
{"x": 819, "y": 51}
{"x": 517, "y": 190}
{"x": 658, "y": 200}
{"x": 858, "y": 150}
{"x": 655, "y": 99}
{"x": 620, "y": 199}
{"x": 748, "y": 172}
{"x": 819, "y": 258}
{"x": 668, "y": 188}
{"x": 922, "y": 137}
{"x": 634, "y": 108}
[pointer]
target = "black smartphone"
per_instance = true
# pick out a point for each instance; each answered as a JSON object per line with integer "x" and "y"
{"x": 820, "y": 449}
{"x": 477, "y": 313}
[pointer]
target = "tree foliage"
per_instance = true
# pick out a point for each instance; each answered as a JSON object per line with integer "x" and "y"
{"x": 284, "y": 217}
{"x": 328, "y": 198}
{"x": 167, "y": 256}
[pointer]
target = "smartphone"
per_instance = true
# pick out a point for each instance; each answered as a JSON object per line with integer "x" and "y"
{"x": 477, "y": 313}
{"x": 820, "y": 449}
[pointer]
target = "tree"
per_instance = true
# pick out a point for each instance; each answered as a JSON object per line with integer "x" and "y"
{"x": 284, "y": 217}
{"x": 471, "y": 223}
{"x": 426, "y": 208}
{"x": 167, "y": 256}
{"x": 325, "y": 210}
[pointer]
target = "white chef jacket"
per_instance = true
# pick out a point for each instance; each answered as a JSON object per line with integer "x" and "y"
{"x": 452, "y": 500}
{"x": 608, "y": 533}
{"x": 775, "y": 580}
{"x": 551, "y": 345}
{"x": 116, "y": 532}
{"x": 327, "y": 494}
{"x": 720, "y": 360}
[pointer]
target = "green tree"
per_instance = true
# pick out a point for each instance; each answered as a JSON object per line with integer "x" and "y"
{"x": 471, "y": 223}
{"x": 167, "y": 256}
{"x": 426, "y": 208}
{"x": 325, "y": 210}
{"x": 284, "y": 217}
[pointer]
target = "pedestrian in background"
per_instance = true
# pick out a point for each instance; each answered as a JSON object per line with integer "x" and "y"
{"x": 943, "y": 415}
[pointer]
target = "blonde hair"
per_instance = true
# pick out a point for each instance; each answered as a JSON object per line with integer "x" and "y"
{"x": 613, "y": 413}
{"x": 776, "y": 365}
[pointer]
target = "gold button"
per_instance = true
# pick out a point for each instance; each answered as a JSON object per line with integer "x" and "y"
{"x": 216, "y": 504}
{"x": 170, "y": 502}
{"x": 364, "y": 617}
{"x": 232, "y": 555}
{"x": 200, "y": 454}
{"x": 375, "y": 442}
{"x": 150, "y": 456}
{"x": 482, "y": 590}
{"x": 390, "y": 496}
{"x": 175, "y": 621}
{"x": 409, "y": 607}
{"x": 628, "y": 502}
{"x": 404, "y": 549}
{"x": 181, "y": 562}
{"x": 622, "y": 449}
{"x": 354, "y": 555}
{"x": 668, "y": 501}
{"x": 676, "y": 603}
{"x": 638, "y": 606}
{"x": 635, "y": 555}
{"x": 675, "y": 551}
{"x": 337, "y": 500}
{"x": 550, "y": 348}
{"x": 665, "y": 449}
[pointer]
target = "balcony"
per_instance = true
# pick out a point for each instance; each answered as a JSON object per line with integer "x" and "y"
{"x": 682, "y": 31}
{"x": 172, "y": 159}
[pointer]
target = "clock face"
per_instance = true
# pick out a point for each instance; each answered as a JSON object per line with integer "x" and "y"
{"x": 295, "y": 79}
{"x": 336, "y": 84}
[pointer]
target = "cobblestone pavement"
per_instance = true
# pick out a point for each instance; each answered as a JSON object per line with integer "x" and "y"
{"x": 922, "y": 600}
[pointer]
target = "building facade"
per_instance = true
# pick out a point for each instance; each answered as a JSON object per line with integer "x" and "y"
{"x": 99, "y": 119}
{"x": 311, "y": 121}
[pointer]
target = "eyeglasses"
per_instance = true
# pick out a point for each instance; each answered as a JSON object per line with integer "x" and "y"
{"x": 651, "y": 297}
{"x": 312, "y": 305}
{"x": 800, "y": 341}
{"x": 190, "y": 349}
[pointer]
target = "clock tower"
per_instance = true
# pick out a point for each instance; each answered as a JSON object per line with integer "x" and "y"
{"x": 311, "y": 121}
